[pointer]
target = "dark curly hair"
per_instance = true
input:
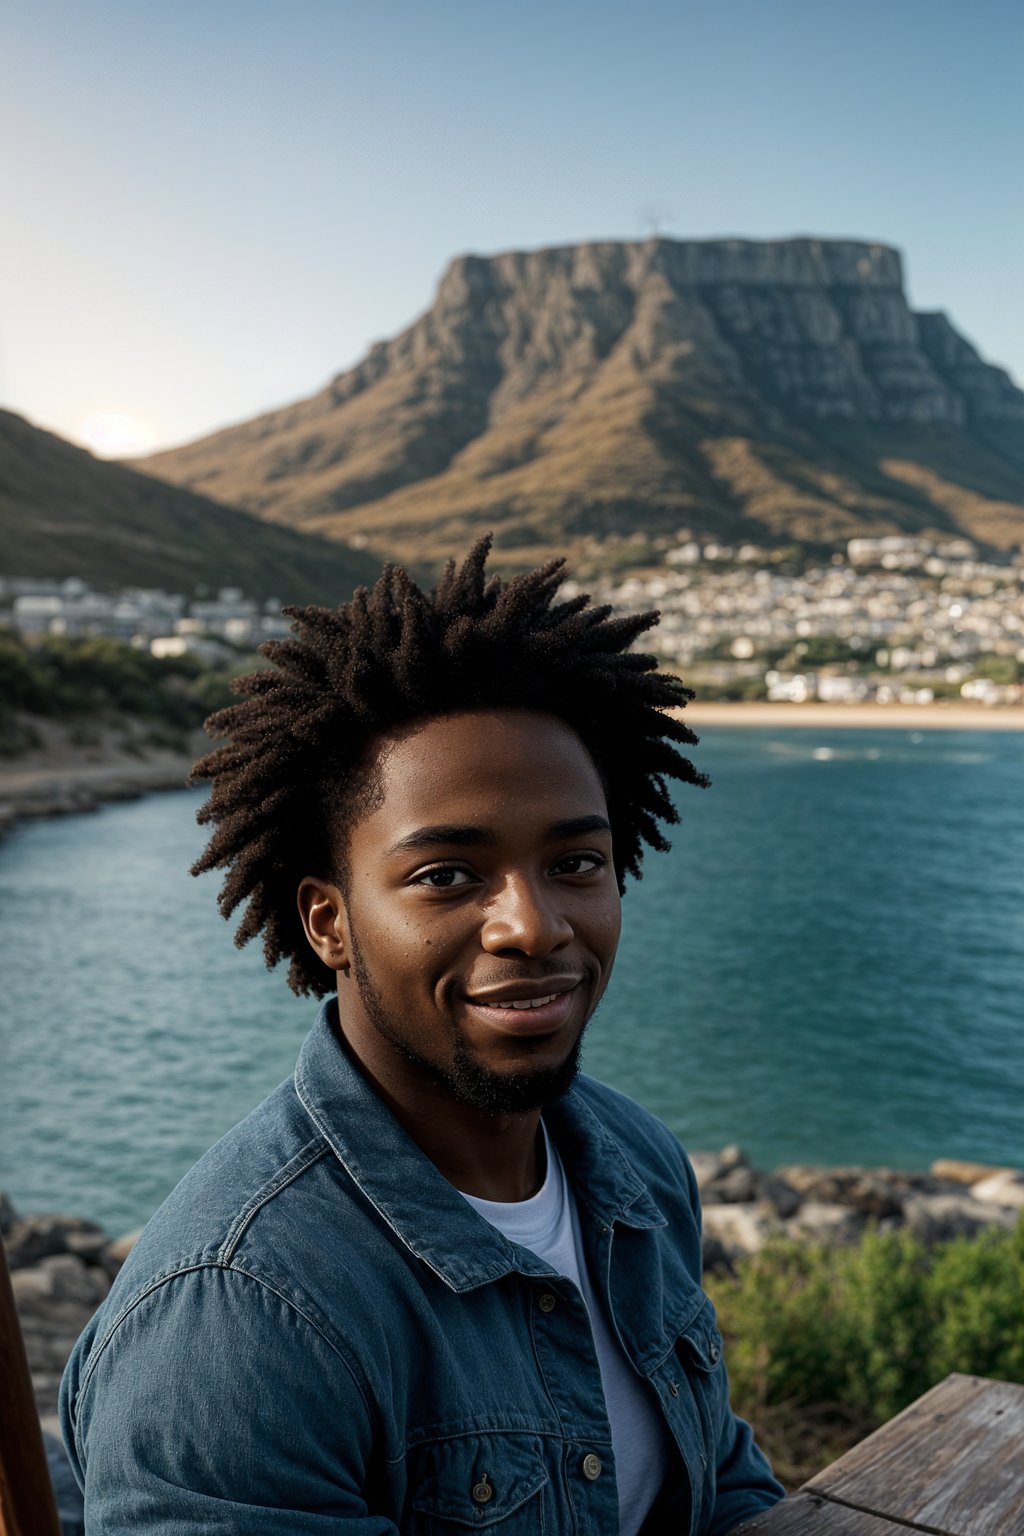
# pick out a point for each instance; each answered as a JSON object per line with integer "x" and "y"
{"x": 298, "y": 763}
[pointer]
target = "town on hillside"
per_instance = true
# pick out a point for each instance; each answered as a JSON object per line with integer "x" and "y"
{"x": 895, "y": 619}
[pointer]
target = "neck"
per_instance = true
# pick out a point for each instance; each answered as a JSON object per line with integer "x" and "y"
{"x": 492, "y": 1156}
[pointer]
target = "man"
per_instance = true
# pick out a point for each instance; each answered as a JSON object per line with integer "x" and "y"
{"x": 437, "y": 1282}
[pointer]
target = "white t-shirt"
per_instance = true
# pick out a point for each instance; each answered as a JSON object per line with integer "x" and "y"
{"x": 549, "y": 1225}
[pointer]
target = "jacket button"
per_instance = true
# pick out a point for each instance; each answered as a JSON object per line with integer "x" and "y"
{"x": 591, "y": 1467}
{"x": 482, "y": 1490}
{"x": 547, "y": 1302}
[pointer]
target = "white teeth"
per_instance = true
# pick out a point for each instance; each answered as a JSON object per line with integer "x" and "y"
{"x": 528, "y": 1002}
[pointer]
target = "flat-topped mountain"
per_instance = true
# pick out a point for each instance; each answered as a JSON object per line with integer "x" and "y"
{"x": 65, "y": 513}
{"x": 761, "y": 390}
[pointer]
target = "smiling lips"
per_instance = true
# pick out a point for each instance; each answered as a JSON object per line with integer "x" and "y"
{"x": 525, "y": 1015}
{"x": 527, "y": 1002}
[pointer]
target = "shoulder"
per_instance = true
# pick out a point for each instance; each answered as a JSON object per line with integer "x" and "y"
{"x": 204, "y": 1217}
{"x": 208, "y": 1291}
{"x": 655, "y": 1152}
{"x": 142, "y": 1383}
{"x": 199, "y": 1244}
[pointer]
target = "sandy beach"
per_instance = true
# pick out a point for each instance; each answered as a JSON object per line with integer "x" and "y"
{"x": 63, "y": 779}
{"x": 875, "y": 717}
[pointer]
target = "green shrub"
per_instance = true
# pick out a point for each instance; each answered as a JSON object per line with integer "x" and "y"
{"x": 998, "y": 669}
{"x": 825, "y": 1344}
{"x": 24, "y": 682}
{"x": 92, "y": 677}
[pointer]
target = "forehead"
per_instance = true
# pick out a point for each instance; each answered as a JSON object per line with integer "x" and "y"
{"x": 485, "y": 765}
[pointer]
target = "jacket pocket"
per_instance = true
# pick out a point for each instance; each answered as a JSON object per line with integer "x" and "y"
{"x": 491, "y": 1482}
{"x": 699, "y": 1350}
{"x": 701, "y": 1342}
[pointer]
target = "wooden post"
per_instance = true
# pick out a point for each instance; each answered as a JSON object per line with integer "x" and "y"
{"x": 27, "y": 1505}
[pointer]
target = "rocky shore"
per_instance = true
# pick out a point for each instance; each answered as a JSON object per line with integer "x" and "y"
{"x": 63, "y": 1266}
{"x": 61, "y": 1269}
{"x": 62, "y": 777}
{"x": 745, "y": 1207}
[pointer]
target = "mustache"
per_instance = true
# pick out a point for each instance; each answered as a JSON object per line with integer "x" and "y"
{"x": 538, "y": 970}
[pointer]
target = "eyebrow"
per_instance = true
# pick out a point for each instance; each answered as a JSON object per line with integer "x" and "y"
{"x": 482, "y": 837}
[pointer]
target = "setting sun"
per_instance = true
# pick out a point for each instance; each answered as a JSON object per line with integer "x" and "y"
{"x": 114, "y": 435}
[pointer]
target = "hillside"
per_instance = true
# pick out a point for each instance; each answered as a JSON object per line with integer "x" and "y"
{"x": 65, "y": 513}
{"x": 770, "y": 391}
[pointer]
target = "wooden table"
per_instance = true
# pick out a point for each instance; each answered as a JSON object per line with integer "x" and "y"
{"x": 952, "y": 1464}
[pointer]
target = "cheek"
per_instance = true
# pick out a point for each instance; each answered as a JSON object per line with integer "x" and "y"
{"x": 601, "y": 924}
{"x": 415, "y": 945}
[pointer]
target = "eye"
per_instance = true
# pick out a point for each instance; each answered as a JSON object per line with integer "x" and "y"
{"x": 442, "y": 877}
{"x": 578, "y": 864}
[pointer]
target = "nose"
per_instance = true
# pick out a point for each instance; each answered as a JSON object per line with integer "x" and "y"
{"x": 525, "y": 919}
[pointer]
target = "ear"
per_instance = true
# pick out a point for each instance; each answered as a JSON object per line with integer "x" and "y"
{"x": 325, "y": 919}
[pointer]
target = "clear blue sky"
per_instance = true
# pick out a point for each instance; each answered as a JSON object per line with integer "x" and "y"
{"x": 209, "y": 209}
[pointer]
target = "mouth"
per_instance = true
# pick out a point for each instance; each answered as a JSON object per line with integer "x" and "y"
{"x": 523, "y": 1010}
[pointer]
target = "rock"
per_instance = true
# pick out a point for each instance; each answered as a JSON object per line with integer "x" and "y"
{"x": 70, "y": 1505}
{"x": 732, "y": 1156}
{"x": 49, "y": 1344}
{"x": 8, "y": 1215}
{"x": 825, "y": 1222}
{"x": 706, "y": 1166}
{"x": 810, "y": 1181}
{"x": 741, "y": 1229}
{"x": 739, "y": 1186}
{"x": 1006, "y": 1188}
{"x": 742, "y": 1185}
{"x": 38, "y": 1237}
{"x": 874, "y": 1192}
{"x": 118, "y": 1249}
{"x": 782, "y": 1196}
{"x": 61, "y": 1277}
{"x": 715, "y": 1257}
{"x": 938, "y": 1218}
{"x": 50, "y": 1329}
{"x": 954, "y": 1170}
{"x": 87, "y": 1246}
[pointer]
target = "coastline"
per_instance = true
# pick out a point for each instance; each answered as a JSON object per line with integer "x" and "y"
{"x": 904, "y": 717}
{"x": 63, "y": 778}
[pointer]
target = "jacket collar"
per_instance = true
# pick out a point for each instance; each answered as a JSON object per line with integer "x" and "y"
{"x": 426, "y": 1212}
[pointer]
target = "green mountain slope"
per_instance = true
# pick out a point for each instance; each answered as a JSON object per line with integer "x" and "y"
{"x": 65, "y": 513}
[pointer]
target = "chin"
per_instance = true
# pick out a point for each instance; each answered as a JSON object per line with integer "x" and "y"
{"x": 510, "y": 1092}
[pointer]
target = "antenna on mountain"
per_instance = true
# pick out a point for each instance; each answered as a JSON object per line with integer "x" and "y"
{"x": 652, "y": 218}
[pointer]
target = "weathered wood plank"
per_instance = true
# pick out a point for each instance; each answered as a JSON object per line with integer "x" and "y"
{"x": 807, "y": 1514}
{"x": 952, "y": 1463}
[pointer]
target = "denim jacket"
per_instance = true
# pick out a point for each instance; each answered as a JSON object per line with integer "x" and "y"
{"x": 316, "y": 1334}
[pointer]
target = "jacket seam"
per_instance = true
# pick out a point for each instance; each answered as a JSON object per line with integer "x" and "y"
{"x": 234, "y": 1269}
{"x": 303, "y": 1159}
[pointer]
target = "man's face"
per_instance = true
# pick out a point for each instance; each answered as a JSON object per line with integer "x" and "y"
{"x": 481, "y": 912}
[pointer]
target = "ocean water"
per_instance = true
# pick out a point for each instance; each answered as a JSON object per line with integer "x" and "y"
{"x": 829, "y": 966}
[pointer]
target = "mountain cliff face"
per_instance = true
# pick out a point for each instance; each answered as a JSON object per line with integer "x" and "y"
{"x": 770, "y": 390}
{"x": 64, "y": 513}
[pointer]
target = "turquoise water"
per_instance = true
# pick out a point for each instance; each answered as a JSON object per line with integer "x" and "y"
{"x": 828, "y": 967}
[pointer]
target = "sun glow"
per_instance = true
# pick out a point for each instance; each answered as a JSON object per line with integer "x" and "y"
{"x": 114, "y": 435}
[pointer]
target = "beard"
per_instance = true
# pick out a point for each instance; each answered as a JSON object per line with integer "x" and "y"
{"x": 482, "y": 1088}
